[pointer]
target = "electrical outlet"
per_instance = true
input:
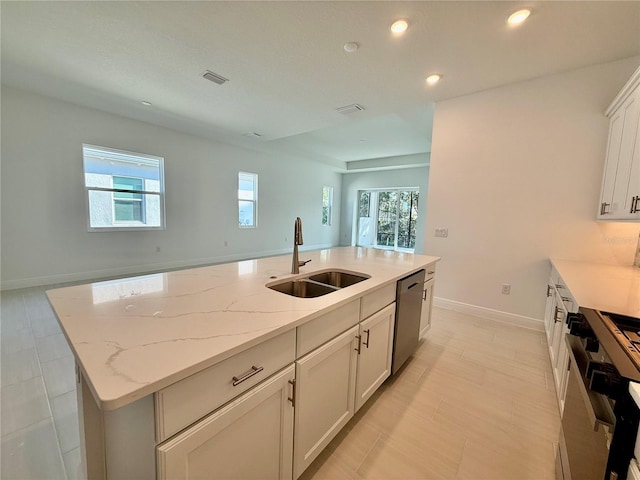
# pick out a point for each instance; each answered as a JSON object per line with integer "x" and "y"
{"x": 506, "y": 288}
{"x": 442, "y": 232}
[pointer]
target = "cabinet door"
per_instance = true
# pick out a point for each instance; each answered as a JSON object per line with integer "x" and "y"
{"x": 559, "y": 316}
{"x": 325, "y": 394}
{"x": 611, "y": 164}
{"x": 376, "y": 347}
{"x": 427, "y": 301}
{"x": 549, "y": 312}
{"x": 561, "y": 371}
{"x": 631, "y": 206}
{"x": 250, "y": 438}
{"x": 618, "y": 184}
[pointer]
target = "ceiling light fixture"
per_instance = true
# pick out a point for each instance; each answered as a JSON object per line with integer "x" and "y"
{"x": 145, "y": 103}
{"x": 516, "y": 18}
{"x": 351, "y": 47}
{"x": 433, "y": 79}
{"x": 399, "y": 26}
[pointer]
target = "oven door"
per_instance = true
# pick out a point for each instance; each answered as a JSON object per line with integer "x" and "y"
{"x": 583, "y": 444}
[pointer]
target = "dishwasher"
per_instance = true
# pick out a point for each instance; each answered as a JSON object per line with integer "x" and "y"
{"x": 406, "y": 331}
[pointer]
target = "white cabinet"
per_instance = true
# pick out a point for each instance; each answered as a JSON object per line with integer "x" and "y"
{"x": 620, "y": 194}
{"x": 250, "y": 438}
{"x": 374, "y": 353}
{"x": 559, "y": 304}
{"x": 427, "y": 302}
{"x": 325, "y": 396}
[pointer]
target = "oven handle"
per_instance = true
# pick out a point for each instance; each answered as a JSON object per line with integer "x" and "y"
{"x": 598, "y": 408}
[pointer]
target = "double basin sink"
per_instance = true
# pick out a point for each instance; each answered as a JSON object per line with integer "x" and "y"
{"x": 318, "y": 284}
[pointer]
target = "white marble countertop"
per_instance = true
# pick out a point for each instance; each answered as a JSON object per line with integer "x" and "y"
{"x": 612, "y": 288}
{"x": 134, "y": 336}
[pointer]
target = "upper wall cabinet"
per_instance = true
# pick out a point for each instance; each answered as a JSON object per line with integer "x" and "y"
{"x": 620, "y": 195}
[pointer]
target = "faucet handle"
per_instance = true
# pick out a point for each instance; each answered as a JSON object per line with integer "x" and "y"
{"x": 302, "y": 263}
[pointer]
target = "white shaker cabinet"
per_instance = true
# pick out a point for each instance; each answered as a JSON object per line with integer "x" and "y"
{"x": 620, "y": 194}
{"x": 427, "y": 301}
{"x": 250, "y": 438}
{"x": 375, "y": 350}
{"x": 560, "y": 303}
{"x": 325, "y": 396}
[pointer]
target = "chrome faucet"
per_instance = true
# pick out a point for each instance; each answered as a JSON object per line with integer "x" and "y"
{"x": 297, "y": 240}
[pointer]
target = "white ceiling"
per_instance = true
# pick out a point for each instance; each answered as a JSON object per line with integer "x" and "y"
{"x": 286, "y": 64}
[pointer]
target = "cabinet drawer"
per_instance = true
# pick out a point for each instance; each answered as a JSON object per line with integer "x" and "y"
{"x": 188, "y": 400}
{"x": 430, "y": 272}
{"x": 322, "y": 329}
{"x": 377, "y": 300}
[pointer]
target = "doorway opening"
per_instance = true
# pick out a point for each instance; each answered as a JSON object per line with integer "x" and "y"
{"x": 387, "y": 218}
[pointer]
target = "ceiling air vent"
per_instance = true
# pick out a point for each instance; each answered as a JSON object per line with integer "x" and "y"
{"x": 215, "y": 78}
{"x": 348, "y": 109}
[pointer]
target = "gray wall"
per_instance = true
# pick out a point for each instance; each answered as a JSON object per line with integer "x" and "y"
{"x": 515, "y": 176}
{"x": 43, "y": 201}
{"x": 406, "y": 177}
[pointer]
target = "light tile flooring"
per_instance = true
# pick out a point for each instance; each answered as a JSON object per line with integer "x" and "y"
{"x": 475, "y": 402}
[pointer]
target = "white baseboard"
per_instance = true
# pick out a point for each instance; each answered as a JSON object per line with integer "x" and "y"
{"x": 489, "y": 313}
{"x": 92, "y": 275}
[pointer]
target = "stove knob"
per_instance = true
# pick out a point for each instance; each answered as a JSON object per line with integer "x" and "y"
{"x": 604, "y": 379}
{"x": 593, "y": 345}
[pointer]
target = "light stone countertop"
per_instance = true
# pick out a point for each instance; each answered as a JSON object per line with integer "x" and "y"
{"x": 134, "y": 336}
{"x": 611, "y": 288}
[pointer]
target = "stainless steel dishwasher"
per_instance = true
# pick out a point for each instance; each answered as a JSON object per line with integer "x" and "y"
{"x": 407, "y": 327}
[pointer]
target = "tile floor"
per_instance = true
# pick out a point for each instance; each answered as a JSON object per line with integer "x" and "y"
{"x": 475, "y": 402}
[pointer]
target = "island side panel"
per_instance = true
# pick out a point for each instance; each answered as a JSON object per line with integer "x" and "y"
{"x": 118, "y": 443}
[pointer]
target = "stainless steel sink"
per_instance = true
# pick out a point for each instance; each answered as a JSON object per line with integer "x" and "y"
{"x": 318, "y": 284}
{"x": 302, "y": 288}
{"x": 337, "y": 279}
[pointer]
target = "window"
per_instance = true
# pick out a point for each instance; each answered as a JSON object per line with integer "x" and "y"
{"x": 247, "y": 200}
{"x": 327, "y": 205}
{"x": 387, "y": 218}
{"x": 125, "y": 190}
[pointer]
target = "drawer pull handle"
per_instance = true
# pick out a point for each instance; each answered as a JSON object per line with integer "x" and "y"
{"x": 424, "y": 295}
{"x": 549, "y": 290}
{"x": 555, "y": 315}
{"x": 358, "y": 348}
{"x": 431, "y": 273}
{"x": 254, "y": 370}
{"x": 292, "y": 398}
{"x": 368, "y": 332}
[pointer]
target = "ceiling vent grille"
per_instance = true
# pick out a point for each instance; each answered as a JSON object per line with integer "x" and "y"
{"x": 215, "y": 78}
{"x": 348, "y": 109}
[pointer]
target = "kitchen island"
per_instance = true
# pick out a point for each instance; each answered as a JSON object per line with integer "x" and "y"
{"x": 148, "y": 347}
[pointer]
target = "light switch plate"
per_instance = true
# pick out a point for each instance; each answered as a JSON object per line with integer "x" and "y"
{"x": 442, "y": 232}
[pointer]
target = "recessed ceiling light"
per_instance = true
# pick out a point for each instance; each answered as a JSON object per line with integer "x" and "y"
{"x": 516, "y": 18}
{"x": 351, "y": 47}
{"x": 145, "y": 103}
{"x": 399, "y": 26}
{"x": 433, "y": 79}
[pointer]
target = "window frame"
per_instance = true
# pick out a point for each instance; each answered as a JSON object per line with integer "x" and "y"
{"x": 329, "y": 206}
{"x": 254, "y": 201}
{"x": 125, "y": 226}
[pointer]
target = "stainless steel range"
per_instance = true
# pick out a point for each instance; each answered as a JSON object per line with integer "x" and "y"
{"x": 600, "y": 418}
